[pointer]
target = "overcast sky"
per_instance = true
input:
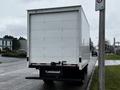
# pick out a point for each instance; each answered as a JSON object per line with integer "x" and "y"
{"x": 13, "y": 14}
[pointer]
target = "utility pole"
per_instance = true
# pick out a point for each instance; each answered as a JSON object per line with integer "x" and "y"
{"x": 114, "y": 45}
{"x": 101, "y": 51}
{"x": 100, "y": 5}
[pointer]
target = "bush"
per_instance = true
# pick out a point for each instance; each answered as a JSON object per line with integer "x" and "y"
{"x": 118, "y": 52}
{"x": 14, "y": 54}
{"x": 21, "y": 54}
{"x": 6, "y": 49}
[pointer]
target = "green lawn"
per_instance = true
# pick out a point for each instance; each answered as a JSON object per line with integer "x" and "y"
{"x": 112, "y": 78}
{"x": 112, "y": 57}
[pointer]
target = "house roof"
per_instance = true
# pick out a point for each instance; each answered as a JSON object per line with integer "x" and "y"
{"x": 5, "y": 39}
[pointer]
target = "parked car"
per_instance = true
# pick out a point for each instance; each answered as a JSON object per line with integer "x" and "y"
{"x": 94, "y": 53}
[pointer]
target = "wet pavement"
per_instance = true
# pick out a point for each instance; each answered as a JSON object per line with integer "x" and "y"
{"x": 13, "y": 72}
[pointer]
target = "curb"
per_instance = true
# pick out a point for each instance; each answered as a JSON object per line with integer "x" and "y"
{"x": 90, "y": 79}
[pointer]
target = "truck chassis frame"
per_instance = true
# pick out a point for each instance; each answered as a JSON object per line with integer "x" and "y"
{"x": 57, "y": 72}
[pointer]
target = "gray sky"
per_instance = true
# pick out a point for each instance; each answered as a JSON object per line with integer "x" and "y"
{"x": 13, "y": 19}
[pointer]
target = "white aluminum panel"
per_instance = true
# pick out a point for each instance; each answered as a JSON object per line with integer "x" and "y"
{"x": 85, "y": 40}
{"x": 54, "y": 37}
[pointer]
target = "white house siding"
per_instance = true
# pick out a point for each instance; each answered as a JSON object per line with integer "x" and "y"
{"x": 5, "y": 43}
{"x": 0, "y": 44}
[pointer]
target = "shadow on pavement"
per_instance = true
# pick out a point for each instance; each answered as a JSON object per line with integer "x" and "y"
{"x": 62, "y": 86}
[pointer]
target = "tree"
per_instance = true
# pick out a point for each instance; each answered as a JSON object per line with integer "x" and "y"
{"x": 16, "y": 44}
{"x": 22, "y": 38}
{"x": 8, "y": 37}
{"x": 108, "y": 48}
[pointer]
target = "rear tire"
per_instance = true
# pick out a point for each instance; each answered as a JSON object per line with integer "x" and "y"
{"x": 48, "y": 81}
{"x": 84, "y": 74}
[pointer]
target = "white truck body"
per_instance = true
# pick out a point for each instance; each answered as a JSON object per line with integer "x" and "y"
{"x": 58, "y": 34}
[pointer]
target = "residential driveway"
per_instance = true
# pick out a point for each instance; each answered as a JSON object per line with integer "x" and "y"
{"x": 13, "y": 72}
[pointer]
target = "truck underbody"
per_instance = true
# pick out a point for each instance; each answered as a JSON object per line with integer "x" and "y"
{"x": 60, "y": 72}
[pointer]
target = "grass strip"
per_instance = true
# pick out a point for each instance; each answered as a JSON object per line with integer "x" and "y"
{"x": 112, "y": 57}
{"x": 112, "y": 78}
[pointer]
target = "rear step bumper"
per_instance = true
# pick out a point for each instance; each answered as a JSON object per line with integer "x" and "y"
{"x": 42, "y": 65}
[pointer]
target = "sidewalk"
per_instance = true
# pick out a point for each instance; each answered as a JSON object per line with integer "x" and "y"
{"x": 110, "y": 62}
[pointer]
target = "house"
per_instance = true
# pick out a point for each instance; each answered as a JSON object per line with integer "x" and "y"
{"x": 23, "y": 45}
{"x": 5, "y": 43}
{"x": 0, "y": 43}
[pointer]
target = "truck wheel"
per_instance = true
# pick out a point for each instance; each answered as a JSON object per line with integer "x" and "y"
{"x": 84, "y": 74}
{"x": 86, "y": 70}
{"x": 48, "y": 81}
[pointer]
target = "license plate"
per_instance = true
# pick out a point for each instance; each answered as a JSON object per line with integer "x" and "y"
{"x": 56, "y": 72}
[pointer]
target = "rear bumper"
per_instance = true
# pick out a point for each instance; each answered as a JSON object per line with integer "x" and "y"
{"x": 48, "y": 65}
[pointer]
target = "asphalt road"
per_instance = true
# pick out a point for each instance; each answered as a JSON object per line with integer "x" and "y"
{"x": 13, "y": 72}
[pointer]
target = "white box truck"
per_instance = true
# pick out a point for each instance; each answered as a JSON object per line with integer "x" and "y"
{"x": 58, "y": 43}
